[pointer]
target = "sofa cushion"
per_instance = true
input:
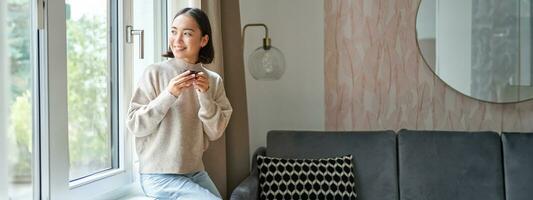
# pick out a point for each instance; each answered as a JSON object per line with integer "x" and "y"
{"x": 328, "y": 178}
{"x": 450, "y": 165}
{"x": 374, "y": 156}
{"x": 518, "y": 165}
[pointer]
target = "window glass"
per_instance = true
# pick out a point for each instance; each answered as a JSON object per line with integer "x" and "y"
{"x": 89, "y": 78}
{"x": 16, "y": 98}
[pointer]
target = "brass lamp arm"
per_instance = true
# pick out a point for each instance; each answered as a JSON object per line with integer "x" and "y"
{"x": 266, "y": 39}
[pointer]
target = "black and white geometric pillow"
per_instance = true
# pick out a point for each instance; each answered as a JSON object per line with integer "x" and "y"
{"x": 328, "y": 178}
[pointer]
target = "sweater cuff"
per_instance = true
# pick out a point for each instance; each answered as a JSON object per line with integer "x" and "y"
{"x": 164, "y": 101}
{"x": 207, "y": 105}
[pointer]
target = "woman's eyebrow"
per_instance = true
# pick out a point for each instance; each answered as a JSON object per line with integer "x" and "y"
{"x": 185, "y": 29}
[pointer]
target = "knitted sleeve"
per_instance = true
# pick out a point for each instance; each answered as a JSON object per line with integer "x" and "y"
{"x": 148, "y": 105}
{"x": 215, "y": 110}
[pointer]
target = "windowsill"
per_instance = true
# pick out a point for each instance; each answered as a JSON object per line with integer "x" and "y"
{"x": 131, "y": 191}
{"x": 95, "y": 177}
{"x": 135, "y": 197}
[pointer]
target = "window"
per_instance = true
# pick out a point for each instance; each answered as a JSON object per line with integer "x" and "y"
{"x": 91, "y": 80}
{"x": 16, "y": 100}
{"x": 86, "y": 149}
{"x": 65, "y": 86}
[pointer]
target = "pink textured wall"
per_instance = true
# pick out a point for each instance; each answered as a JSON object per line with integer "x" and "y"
{"x": 375, "y": 77}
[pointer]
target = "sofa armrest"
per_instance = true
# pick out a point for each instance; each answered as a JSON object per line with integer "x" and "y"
{"x": 259, "y": 151}
{"x": 248, "y": 188}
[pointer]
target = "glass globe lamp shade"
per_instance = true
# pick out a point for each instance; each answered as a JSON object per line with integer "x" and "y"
{"x": 266, "y": 64}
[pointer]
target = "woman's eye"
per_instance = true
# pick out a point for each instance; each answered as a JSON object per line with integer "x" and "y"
{"x": 187, "y": 34}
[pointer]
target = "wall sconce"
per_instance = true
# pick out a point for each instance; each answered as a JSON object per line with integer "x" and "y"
{"x": 266, "y": 62}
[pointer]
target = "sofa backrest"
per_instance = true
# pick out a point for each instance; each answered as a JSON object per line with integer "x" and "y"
{"x": 374, "y": 155}
{"x": 450, "y": 165}
{"x": 518, "y": 165}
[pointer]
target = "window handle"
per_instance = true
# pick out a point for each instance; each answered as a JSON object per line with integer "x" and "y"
{"x": 130, "y": 32}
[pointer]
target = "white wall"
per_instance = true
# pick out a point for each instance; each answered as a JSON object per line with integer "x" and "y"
{"x": 296, "y": 101}
{"x": 454, "y": 43}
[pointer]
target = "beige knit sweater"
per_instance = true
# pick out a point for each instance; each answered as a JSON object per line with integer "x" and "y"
{"x": 171, "y": 133}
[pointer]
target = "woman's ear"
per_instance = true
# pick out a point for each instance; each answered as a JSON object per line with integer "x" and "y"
{"x": 204, "y": 41}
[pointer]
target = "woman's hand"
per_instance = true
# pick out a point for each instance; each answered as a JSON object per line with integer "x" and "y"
{"x": 180, "y": 82}
{"x": 201, "y": 83}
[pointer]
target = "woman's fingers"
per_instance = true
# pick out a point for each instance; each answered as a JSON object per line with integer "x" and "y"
{"x": 202, "y": 82}
{"x": 182, "y": 75}
{"x": 182, "y": 84}
{"x": 188, "y": 78}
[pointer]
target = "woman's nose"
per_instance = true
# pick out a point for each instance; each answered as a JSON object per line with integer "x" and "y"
{"x": 179, "y": 38}
{"x": 176, "y": 40}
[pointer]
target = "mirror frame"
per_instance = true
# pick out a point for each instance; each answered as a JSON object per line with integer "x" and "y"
{"x": 426, "y": 63}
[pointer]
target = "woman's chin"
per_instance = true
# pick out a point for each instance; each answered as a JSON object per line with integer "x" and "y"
{"x": 177, "y": 54}
{"x": 181, "y": 57}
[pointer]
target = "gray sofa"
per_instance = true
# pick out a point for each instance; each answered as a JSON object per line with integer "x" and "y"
{"x": 414, "y": 165}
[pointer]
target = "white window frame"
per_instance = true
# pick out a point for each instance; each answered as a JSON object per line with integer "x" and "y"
{"x": 53, "y": 120}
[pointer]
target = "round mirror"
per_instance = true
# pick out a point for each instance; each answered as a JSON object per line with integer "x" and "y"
{"x": 480, "y": 48}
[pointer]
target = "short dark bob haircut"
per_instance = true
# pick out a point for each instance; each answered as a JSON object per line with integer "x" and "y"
{"x": 207, "y": 53}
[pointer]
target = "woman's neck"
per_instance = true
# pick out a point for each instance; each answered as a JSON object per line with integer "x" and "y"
{"x": 187, "y": 63}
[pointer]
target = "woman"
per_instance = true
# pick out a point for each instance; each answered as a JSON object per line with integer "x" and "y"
{"x": 178, "y": 107}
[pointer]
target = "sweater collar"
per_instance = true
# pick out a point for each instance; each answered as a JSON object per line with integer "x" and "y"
{"x": 184, "y": 65}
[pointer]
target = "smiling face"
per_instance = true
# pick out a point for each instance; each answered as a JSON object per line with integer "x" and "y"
{"x": 186, "y": 39}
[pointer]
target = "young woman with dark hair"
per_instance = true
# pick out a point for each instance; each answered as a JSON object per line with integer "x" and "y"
{"x": 177, "y": 108}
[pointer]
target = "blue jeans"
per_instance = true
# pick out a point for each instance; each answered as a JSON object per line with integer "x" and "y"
{"x": 196, "y": 185}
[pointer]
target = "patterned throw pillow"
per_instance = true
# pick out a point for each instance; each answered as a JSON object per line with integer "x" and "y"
{"x": 329, "y": 178}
